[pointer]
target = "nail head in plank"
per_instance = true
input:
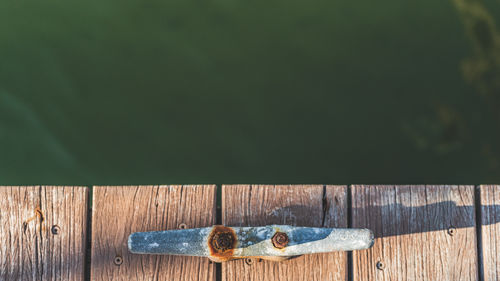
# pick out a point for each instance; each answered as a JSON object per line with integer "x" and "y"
{"x": 120, "y": 210}
{"x": 490, "y": 231}
{"x": 300, "y": 205}
{"x": 31, "y": 249}
{"x": 422, "y": 232}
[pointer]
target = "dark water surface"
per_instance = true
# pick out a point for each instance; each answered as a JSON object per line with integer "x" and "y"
{"x": 232, "y": 91}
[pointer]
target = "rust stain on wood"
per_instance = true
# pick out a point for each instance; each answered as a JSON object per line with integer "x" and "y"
{"x": 37, "y": 214}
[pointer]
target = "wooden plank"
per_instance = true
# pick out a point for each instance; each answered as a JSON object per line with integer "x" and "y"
{"x": 311, "y": 205}
{"x": 422, "y": 232}
{"x": 42, "y": 233}
{"x": 119, "y": 211}
{"x": 490, "y": 231}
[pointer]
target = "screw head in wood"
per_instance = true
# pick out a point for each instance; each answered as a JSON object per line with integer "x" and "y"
{"x": 249, "y": 261}
{"x": 55, "y": 229}
{"x": 118, "y": 260}
{"x": 182, "y": 226}
{"x": 380, "y": 265}
{"x": 452, "y": 231}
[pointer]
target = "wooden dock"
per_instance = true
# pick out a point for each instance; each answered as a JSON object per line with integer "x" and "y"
{"x": 428, "y": 232}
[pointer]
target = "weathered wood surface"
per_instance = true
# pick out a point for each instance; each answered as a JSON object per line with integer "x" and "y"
{"x": 490, "y": 231}
{"x": 303, "y": 205}
{"x": 422, "y": 232}
{"x": 119, "y": 211}
{"x": 30, "y": 248}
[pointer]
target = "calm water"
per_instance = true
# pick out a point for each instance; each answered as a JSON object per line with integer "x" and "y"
{"x": 231, "y": 91}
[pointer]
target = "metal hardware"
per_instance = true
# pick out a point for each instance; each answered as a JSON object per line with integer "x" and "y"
{"x": 280, "y": 240}
{"x": 452, "y": 231}
{"x": 118, "y": 260}
{"x": 55, "y": 229}
{"x": 273, "y": 242}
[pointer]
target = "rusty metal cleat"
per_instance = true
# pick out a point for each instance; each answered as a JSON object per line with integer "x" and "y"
{"x": 273, "y": 242}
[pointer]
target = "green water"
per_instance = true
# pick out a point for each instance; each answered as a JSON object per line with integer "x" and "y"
{"x": 232, "y": 91}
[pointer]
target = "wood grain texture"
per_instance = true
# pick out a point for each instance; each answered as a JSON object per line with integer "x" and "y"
{"x": 411, "y": 225}
{"x": 29, "y": 250}
{"x": 490, "y": 231}
{"x": 307, "y": 205}
{"x": 119, "y": 211}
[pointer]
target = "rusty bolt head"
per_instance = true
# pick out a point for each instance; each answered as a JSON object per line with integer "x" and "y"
{"x": 223, "y": 241}
{"x": 118, "y": 260}
{"x": 452, "y": 231}
{"x": 55, "y": 229}
{"x": 280, "y": 240}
